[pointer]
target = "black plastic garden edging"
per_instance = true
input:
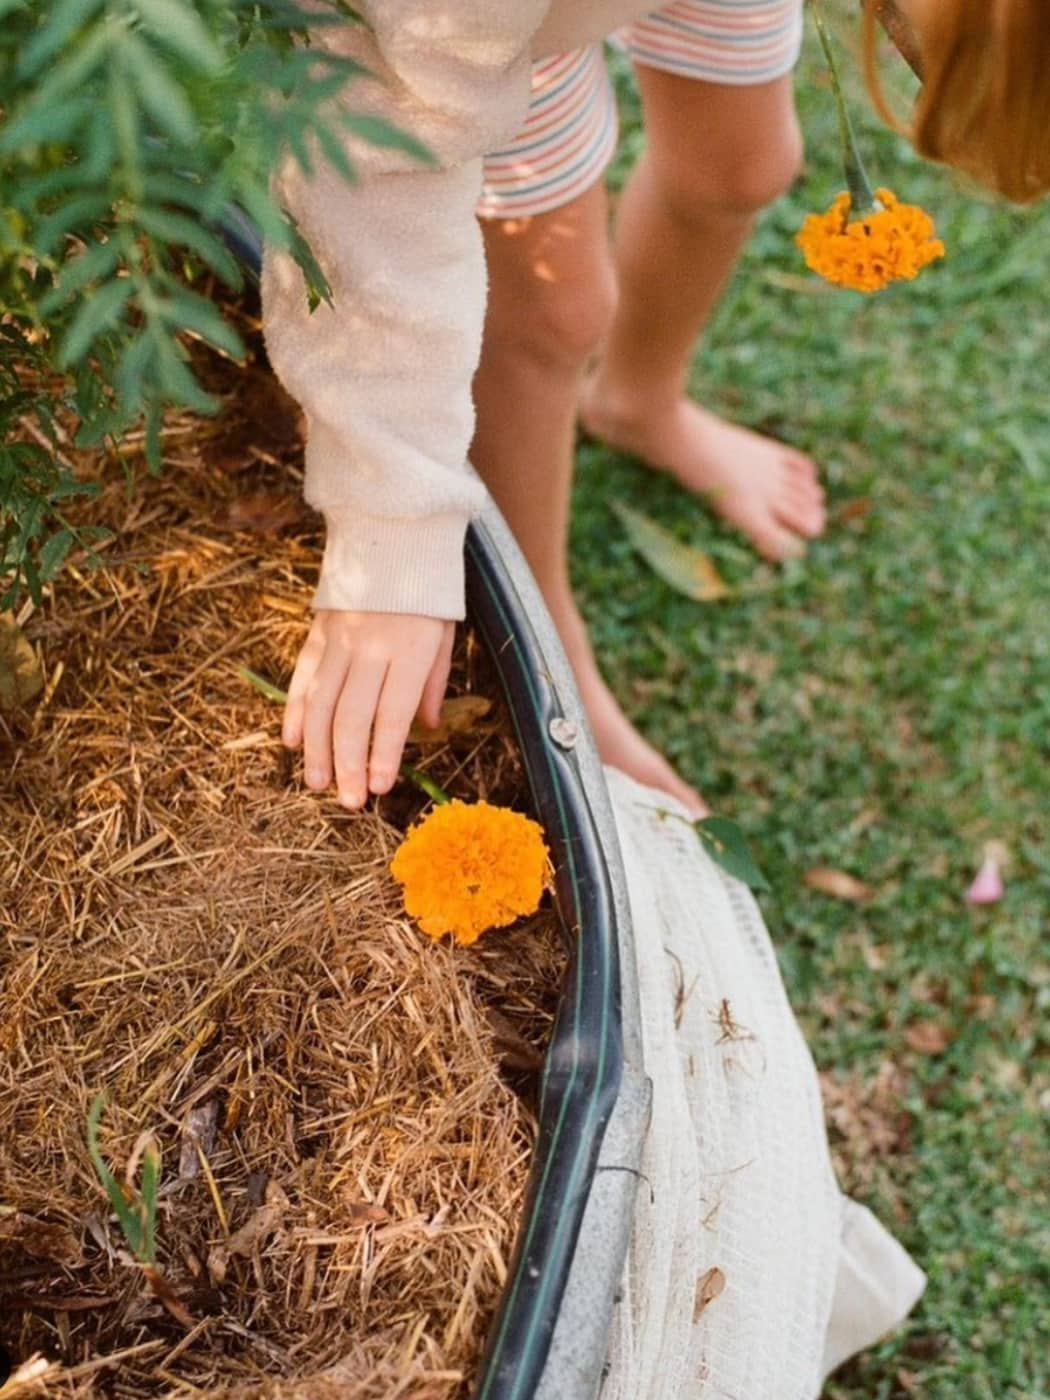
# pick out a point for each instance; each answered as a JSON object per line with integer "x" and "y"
{"x": 584, "y": 1062}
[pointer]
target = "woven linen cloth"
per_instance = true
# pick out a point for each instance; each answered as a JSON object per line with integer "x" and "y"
{"x": 750, "y": 1275}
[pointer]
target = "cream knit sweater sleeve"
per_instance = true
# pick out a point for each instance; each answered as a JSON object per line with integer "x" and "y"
{"x": 384, "y": 373}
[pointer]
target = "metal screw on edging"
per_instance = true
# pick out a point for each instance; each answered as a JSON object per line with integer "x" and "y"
{"x": 564, "y": 732}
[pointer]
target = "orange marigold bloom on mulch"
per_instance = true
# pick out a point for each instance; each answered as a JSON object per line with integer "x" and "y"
{"x": 469, "y": 866}
{"x": 894, "y": 242}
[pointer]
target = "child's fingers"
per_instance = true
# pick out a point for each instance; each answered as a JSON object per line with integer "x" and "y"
{"x": 322, "y": 696}
{"x": 305, "y": 668}
{"x": 352, "y": 727}
{"x": 437, "y": 681}
{"x": 398, "y": 704}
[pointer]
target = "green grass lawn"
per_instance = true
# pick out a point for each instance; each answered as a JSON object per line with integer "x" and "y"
{"x": 885, "y": 712}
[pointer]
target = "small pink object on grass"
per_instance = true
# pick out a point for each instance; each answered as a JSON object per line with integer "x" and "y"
{"x": 987, "y": 887}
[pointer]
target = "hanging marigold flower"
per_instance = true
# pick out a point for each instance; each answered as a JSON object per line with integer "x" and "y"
{"x": 470, "y": 866}
{"x": 893, "y": 242}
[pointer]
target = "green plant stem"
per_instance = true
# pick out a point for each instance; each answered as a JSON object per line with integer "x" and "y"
{"x": 425, "y": 784}
{"x": 862, "y": 196}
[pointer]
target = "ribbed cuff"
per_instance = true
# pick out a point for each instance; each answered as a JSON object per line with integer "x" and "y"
{"x": 375, "y": 563}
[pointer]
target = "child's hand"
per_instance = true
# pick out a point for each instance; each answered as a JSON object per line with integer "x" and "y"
{"x": 363, "y": 676}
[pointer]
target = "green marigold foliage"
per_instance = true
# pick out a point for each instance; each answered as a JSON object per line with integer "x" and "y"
{"x": 127, "y": 127}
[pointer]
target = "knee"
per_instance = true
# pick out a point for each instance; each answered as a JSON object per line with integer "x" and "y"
{"x": 735, "y": 182}
{"x": 563, "y": 324}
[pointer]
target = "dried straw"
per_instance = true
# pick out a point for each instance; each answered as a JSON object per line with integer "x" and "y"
{"x": 182, "y": 926}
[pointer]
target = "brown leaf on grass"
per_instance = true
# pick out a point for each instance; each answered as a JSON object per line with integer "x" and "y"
{"x": 869, "y": 1125}
{"x": 875, "y": 955}
{"x": 709, "y": 1287}
{"x": 982, "y": 1006}
{"x": 857, "y": 509}
{"x": 21, "y": 677}
{"x": 263, "y": 512}
{"x": 687, "y": 569}
{"x": 866, "y": 817}
{"x": 39, "y": 1239}
{"x": 928, "y": 1037}
{"x": 838, "y": 884}
{"x": 460, "y": 714}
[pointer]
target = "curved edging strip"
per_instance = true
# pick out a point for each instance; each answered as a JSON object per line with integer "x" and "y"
{"x": 585, "y": 1065}
{"x": 548, "y": 1339}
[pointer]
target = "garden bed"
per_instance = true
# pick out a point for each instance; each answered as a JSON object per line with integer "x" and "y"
{"x": 345, "y": 1110}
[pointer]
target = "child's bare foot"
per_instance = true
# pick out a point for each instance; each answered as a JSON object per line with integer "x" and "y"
{"x": 619, "y": 743}
{"x": 770, "y": 492}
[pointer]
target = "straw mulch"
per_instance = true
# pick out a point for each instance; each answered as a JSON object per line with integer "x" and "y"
{"x": 344, "y": 1108}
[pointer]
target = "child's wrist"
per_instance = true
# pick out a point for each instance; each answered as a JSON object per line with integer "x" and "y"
{"x": 393, "y": 564}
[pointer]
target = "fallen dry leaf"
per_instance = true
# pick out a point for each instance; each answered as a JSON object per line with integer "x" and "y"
{"x": 21, "y": 678}
{"x": 252, "y": 1233}
{"x": 200, "y": 1131}
{"x": 365, "y": 1213}
{"x": 928, "y": 1037}
{"x": 264, "y": 512}
{"x": 688, "y": 570}
{"x": 857, "y": 509}
{"x": 514, "y": 1050}
{"x": 39, "y": 1239}
{"x": 868, "y": 1117}
{"x": 460, "y": 714}
{"x": 866, "y": 817}
{"x": 162, "y": 1290}
{"x": 838, "y": 884}
{"x": 875, "y": 954}
{"x": 59, "y": 1302}
{"x": 710, "y": 1287}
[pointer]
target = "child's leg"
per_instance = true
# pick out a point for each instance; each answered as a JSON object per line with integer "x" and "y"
{"x": 551, "y": 298}
{"x": 717, "y": 154}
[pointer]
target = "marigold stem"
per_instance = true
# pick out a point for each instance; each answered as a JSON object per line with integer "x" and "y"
{"x": 862, "y": 196}
{"x": 425, "y": 784}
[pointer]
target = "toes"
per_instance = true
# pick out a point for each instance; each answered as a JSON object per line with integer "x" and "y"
{"x": 774, "y": 542}
{"x": 800, "y": 475}
{"x": 803, "y": 470}
{"x": 801, "y": 514}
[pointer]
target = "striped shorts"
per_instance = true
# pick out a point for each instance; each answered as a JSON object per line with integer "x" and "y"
{"x": 569, "y": 135}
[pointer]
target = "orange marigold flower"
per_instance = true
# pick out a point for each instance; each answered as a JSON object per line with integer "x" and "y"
{"x": 469, "y": 866}
{"x": 895, "y": 241}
